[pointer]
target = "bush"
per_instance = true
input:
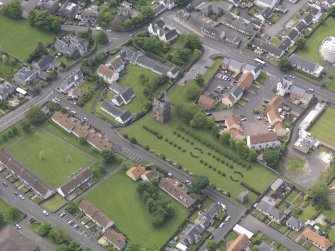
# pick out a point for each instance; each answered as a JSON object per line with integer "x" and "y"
{"x": 133, "y": 140}
{"x": 157, "y": 134}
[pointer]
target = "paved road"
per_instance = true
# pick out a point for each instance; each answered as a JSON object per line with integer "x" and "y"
{"x": 31, "y": 209}
{"x": 254, "y": 225}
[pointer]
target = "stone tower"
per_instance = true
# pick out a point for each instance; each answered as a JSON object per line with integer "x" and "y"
{"x": 161, "y": 109}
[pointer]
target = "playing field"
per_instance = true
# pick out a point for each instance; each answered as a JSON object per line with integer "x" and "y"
{"x": 323, "y": 128}
{"x": 17, "y": 37}
{"x": 117, "y": 197}
{"x": 311, "y": 48}
{"x": 49, "y": 157}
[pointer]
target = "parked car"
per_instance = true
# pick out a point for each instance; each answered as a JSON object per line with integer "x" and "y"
{"x": 21, "y": 197}
{"x": 227, "y": 218}
{"x": 45, "y": 212}
{"x": 16, "y": 193}
{"x": 310, "y": 89}
{"x": 18, "y": 226}
{"x": 62, "y": 214}
{"x": 222, "y": 224}
{"x": 211, "y": 237}
{"x": 244, "y": 119}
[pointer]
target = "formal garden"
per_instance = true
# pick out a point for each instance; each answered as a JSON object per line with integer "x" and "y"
{"x": 127, "y": 209}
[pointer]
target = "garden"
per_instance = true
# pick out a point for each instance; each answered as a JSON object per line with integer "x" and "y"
{"x": 19, "y": 38}
{"x": 54, "y": 203}
{"x": 310, "y": 50}
{"x": 126, "y": 208}
{"x": 322, "y": 128}
{"x": 45, "y": 154}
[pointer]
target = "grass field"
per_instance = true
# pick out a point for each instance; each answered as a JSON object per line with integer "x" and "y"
{"x": 4, "y": 209}
{"x": 294, "y": 164}
{"x": 50, "y": 158}
{"x": 323, "y": 127}
{"x": 131, "y": 79}
{"x": 311, "y": 49}
{"x": 19, "y": 38}
{"x": 54, "y": 203}
{"x": 7, "y": 71}
{"x": 124, "y": 206}
{"x": 231, "y": 182}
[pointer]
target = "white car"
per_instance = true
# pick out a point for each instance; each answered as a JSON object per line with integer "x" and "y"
{"x": 222, "y": 224}
{"x": 45, "y": 212}
{"x": 227, "y": 218}
{"x": 62, "y": 214}
{"x": 18, "y": 226}
{"x": 21, "y": 197}
{"x": 98, "y": 28}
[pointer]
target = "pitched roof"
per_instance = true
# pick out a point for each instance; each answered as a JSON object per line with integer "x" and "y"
{"x": 239, "y": 243}
{"x": 206, "y": 102}
{"x": 303, "y": 63}
{"x": 267, "y": 47}
{"x": 308, "y": 18}
{"x": 136, "y": 171}
{"x": 301, "y": 26}
{"x": 267, "y": 13}
{"x": 116, "y": 88}
{"x": 236, "y": 91}
{"x": 271, "y": 210}
{"x": 45, "y": 61}
{"x": 294, "y": 222}
{"x": 279, "y": 126}
{"x": 236, "y": 134}
{"x": 127, "y": 94}
{"x": 177, "y": 190}
{"x": 92, "y": 211}
{"x": 265, "y": 247}
{"x": 292, "y": 34}
{"x": 246, "y": 80}
{"x": 263, "y": 138}
{"x": 116, "y": 238}
{"x": 12, "y": 239}
{"x": 105, "y": 71}
{"x": 151, "y": 174}
{"x": 76, "y": 180}
{"x": 191, "y": 234}
{"x": 42, "y": 188}
{"x": 285, "y": 44}
{"x": 115, "y": 63}
{"x": 316, "y": 238}
{"x": 273, "y": 115}
{"x": 231, "y": 120}
{"x": 275, "y": 102}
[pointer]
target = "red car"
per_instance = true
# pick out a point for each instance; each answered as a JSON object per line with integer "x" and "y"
{"x": 5, "y": 184}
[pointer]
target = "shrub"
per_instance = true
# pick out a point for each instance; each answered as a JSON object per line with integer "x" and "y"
{"x": 166, "y": 140}
{"x": 163, "y": 156}
{"x": 125, "y": 135}
{"x": 223, "y": 174}
{"x": 184, "y": 150}
{"x": 133, "y": 140}
{"x": 232, "y": 178}
{"x": 201, "y": 161}
{"x": 214, "y": 168}
{"x": 205, "y": 163}
{"x": 157, "y": 134}
{"x": 239, "y": 173}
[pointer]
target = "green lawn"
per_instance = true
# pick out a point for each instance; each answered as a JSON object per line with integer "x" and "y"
{"x": 323, "y": 127}
{"x": 294, "y": 164}
{"x": 233, "y": 175}
{"x": 4, "y": 210}
{"x": 330, "y": 81}
{"x": 19, "y": 38}
{"x": 7, "y": 70}
{"x": 308, "y": 213}
{"x": 311, "y": 49}
{"x": 131, "y": 79}
{"x": 50, "y": 158}
{"x": 275, "y": 41}
{"x": 124, "y": 206}
{"x": 54, "y": 203}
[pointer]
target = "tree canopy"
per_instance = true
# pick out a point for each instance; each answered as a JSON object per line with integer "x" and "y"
{"x": 42, "y": 20}
{"x": 199, "y": 183}
{"x": 320, "y": 194}
{"x": 271, "y": 157}
{"x": 12, "y": 9}
{"x": 285, "y": 65}
{"x": 35, "y": 116}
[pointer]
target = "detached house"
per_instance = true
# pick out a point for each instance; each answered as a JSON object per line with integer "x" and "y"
{"x": 72, "y": 46}
{"x": 207, "y": 217}
{"x": 294, "y": 223}
{"x": 124, "y": 97}
{"x": 135, "y": 172}
{"x": 6, "y": 90}
{"x": 26, "y": 76}
{"x": 160, "y": 30}
{"x": 118, "y": 240}
{"x": 263, "y": 141}
{"x": 116, "y": 64}
{"x": 306, "y": 66}
{"x": 191, "y": 235}
{"x": 239, "y": 243}
{"x": 206, "y": 102}
{"x": 107, "y": 74}
{"x": 271, "y": 211}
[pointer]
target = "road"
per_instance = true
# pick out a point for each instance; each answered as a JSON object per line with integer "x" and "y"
{"x": 254, "y": 225}
{"x": 31, "y": 209}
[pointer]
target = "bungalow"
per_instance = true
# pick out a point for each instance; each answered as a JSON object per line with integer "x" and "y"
{"x": 107, "y": 74}
{"x": 118, "y": 240}
{"x": 121, "y": 116}
{"x": 271, "y": 211}
{"x": 6, "y": 90}
{"x": 135, "y": 172}
{"x": 177, "y": 190}
{"x": 301, "y": 27}
{"x": 293, "y": 34}
{"x": 28, "y": 178}
{"x": 240, "y": 243}
{"x": 74, "y": 80}
{"x": 263, "y": 141}
{"x": 206, "y": 102}
{"x": 26, "y": 76}
{"x": 267, "y": 48}
{"x": 266, "y": 14}
{"x": 74, "y": 182}
{"x": 306, "y": 66}
{"x": 285, "y": 44}
{"x": 308, "y": 18}
{"x": 116, "y": 88}
{"x": 163, "y": 32}
{"x": 294, "y": 223}
{"x": 46, "y": 62}
{"x": 245, "y": 81}
{"x": 93, "y": 213}
{"x": 316, "y": 239}
{"x": 315, "y": 11}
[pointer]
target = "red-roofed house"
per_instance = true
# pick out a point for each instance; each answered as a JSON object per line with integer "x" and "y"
{"x": 206, "y": 102}
{"x": 245, "y": 81}
{"x": 273, "y": 116}
{"x": 115, "y": 238}
{"x": 280, "y": 129}
{"x": 316, "y": 239}
{"x": 263, "y": 141}
{"x": 107, "y": 74}
{"x": 135, "y": 172}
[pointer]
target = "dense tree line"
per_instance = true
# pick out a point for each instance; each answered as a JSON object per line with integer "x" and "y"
{"x": 12, "y": 10}
{"x": 42, "y": 20}
{"x": 151, "y": 44}
{"x": 145, "y": 15}
{"x": 37, "y": 53}
{"x": 160, "y": 209}
{"x": 199, "y": 183}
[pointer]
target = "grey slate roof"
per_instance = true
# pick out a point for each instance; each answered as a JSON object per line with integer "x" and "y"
{"x": 264, "y": 46}
{"x": 160, "y": 8}
{"x": 116, "y": 88}
{"x": 213, "y": 32}
{"x": 45, "y": 62}
{"x": 191, "y": 234}
{"x": 267, "y": 13}
{"x": 285, "y": 44}
{"x": 112, "y": 109}
{"x": 301, "y": 26}
{"x": 303, "y": 63}
{"x": 292, "y": 34}
{"x": 208, "y": 216}
{"x": 308, "y": 18}
{"x": 6, "y": 89}
{"x": 295, "y": 223}
{"x": 236, "y": 91}
{"x": 125, "y": 116}
{"x": 270, "y": 210}
{"x": 127, "y": 95}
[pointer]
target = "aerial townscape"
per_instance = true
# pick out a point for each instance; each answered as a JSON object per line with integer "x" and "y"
{"x": 167, "y": 125}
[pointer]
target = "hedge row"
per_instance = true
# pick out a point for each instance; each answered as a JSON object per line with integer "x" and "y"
{"x": 250, "y": 188}
{"x": 157, "y": 134}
